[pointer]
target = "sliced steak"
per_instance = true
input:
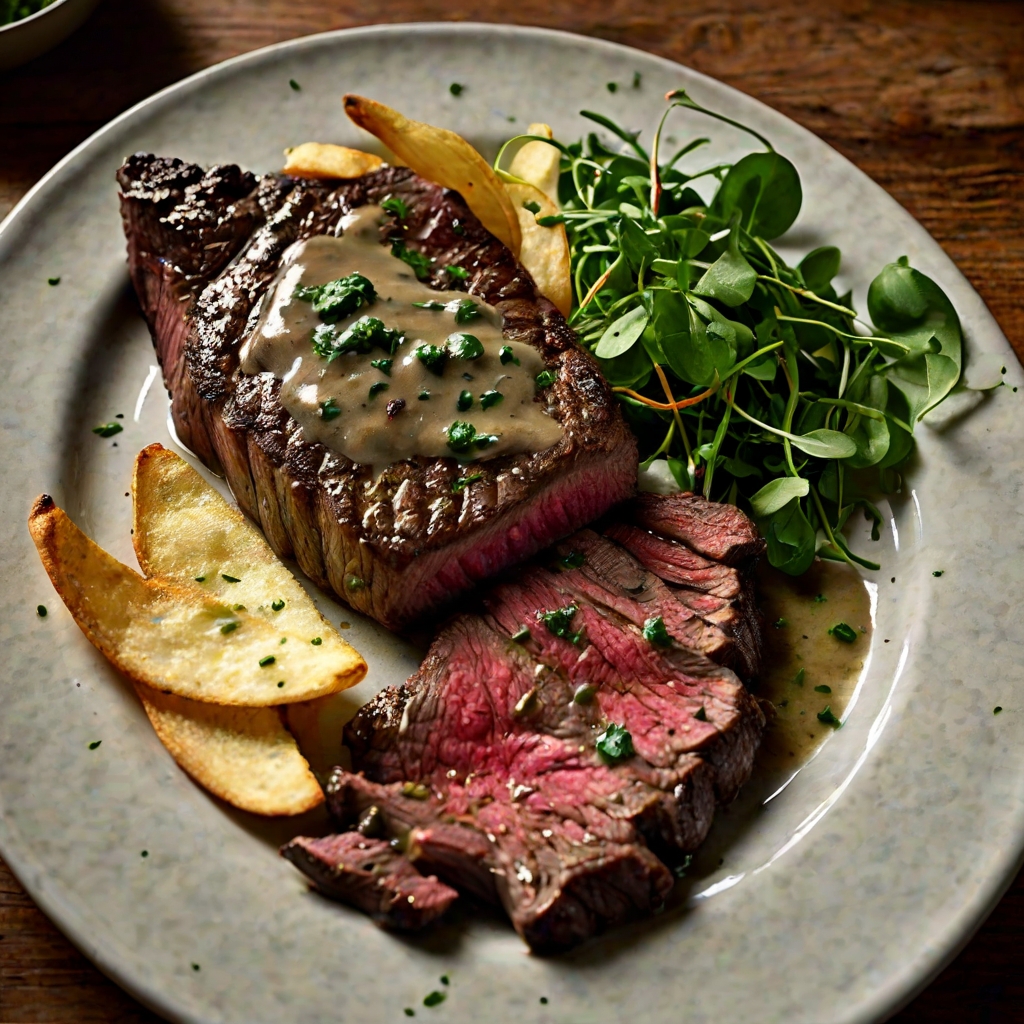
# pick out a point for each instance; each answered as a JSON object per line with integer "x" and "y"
{"x": 371, "y": 875}
{"x": 203, "y": 249}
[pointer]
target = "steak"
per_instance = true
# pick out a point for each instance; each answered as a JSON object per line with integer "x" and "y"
{"x": 495, "y": 764}
{"x": 203, "y": 249}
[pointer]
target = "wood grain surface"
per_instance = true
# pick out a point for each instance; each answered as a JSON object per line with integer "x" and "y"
{"x": 927, "y": 97}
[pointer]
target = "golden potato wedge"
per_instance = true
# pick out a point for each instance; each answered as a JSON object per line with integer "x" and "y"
{"x": 545, "y": 250}
{"x": 323, "y": 160}
{"x": 538, "y": 163}
{"x": 173, "y": 637}
{"x": 243, "y": 755}
{"x": 442, "y": 156}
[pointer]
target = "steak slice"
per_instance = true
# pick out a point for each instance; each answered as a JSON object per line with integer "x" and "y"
{"x": 371, "y": 875}
{"x": 203, "y": 249}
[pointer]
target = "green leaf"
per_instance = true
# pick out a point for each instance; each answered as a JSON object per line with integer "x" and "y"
{"x": 819, "y": 266}
{"x": 730, "y": 279}
{"x": 630, "y": 370}
{"x": 871, "y": 435}
{"x": 765, "y": 188}
{"x": 615, "y": 743}
{"x": 826, "y": 444}
{"x": 622, "y": 334}
{"x": 778, "y": 493}
{"x": 636, "y": 245}
{"x": 682, "y": 338}
{"x": 924, "y": 380}
{"x": 790, "y": 539}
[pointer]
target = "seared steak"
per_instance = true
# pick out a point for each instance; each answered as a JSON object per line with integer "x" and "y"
{"x": 203, "y": 249}
{"x": 489, "y": 763}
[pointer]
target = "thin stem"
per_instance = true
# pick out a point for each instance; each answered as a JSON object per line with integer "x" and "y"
{"x": 679, "y": 420}
{"x": 663, "y": 447}
{"x": 807, "y": 294}
{"x": 680, "y": 98}
{"x": 825, "y": 525}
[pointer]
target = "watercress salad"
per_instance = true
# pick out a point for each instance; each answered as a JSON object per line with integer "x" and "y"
{"x": 755, "y": 380}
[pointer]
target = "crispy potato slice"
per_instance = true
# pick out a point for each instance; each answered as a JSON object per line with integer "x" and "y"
{"x": 545, "y": 250}
{"x": 173, "y": 637}
{"x": 538, "y": 163}
{"x": 323, "y": 160}
{"x": 442, "y": 156}
{"x": 185, "y": 531}
{"x": 243, "y": 755}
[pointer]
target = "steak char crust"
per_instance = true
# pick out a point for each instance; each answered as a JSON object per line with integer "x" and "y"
{"x": 203, "y": 249}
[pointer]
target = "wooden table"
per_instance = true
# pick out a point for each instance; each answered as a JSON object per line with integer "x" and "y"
{"x": 926, "y": 97}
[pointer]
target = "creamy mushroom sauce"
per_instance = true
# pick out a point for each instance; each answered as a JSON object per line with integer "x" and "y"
{"x": 363, "y": 430}
{"x": 799, "y": 611}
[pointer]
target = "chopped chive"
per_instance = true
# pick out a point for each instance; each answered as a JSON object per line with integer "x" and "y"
{"x": 95, "y": 744}
{"x": 434, "y": 998}
{"x": 53, "y": 281}
{"x": 200, "y": 579}
{"x": 456, "y": 88}
{"x": 316, "y": 641}
{"x": 41, "y": 611}
{"x": 823, "y": 689}
{"x": 844, "y": 632}
{"x": 938, "y": 572}
{"x": 459, "y": 484}
{"x": 996, "y": 710}
{"x": 458, "y": 273}
{"x": 267, "y": 661}
{"x": 229, "y": 579}
{"x": 277, "y": 605}
{"x": 295, "y": 85}
{"x": 108, "y": 429}
{"x": 229, "y": 627}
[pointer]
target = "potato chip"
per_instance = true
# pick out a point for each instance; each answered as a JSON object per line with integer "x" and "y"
{"x": 545, "y": 250}
{"x": 539, "y": 163}
{"x": 243, "y": 755}
{"x": 174, "y": 637}
{"x": 443, "y": 157}
{"x": 323, "y": 160}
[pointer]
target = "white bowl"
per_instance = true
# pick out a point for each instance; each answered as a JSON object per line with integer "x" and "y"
{"x": 22, "y": 40}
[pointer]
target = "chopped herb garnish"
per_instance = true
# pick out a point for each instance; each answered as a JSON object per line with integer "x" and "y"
{"x": 195, "y": 967}
{"x": 461, "y": 483}
{"x": 798, "y": 679}
{"x": 416, "y": 790}
{"x": 340, "y": 298}
{"x": 823, "y": 689}
{"x": 424, "y": 396}
{"x": 551, "y": 220}
{"x": 367, "y": 333}
{"x": 396, "y": 206}
{"x": 316, "y": 641}
{"x": 200, "y": 579}
{"x": 458, "y": 273}
{"x": 490, "y": 398}
{"x": 456, "y": 88}
{"x": 681, "y": 868}
{"x": 780, "y": 623}
{"x": 421, "y": 265}
{"x": 229, "y": 579}
{"x": 572, "y": 560}
{"x": 283, "y": 640}
{"x": 546, "y": 378}
{"x": 41, "y": 611}
{"x": 543, "y": 1000}
{"x": 701, "y": 715}
{"x": 95, "y": 744}
{"x": 409, "y": 1012}
{"x": 465, "y": 400}
{"x": 559, "y": 622}
{"x": 267, "y": 661}
{"x": 636, "y": 79}
{"x": 444, "y": 979}
{"x": 615, "y": 743}
{"x": 584, "y": 693}
{"x": 841, "y": 631}
{"x": 353, "y": 582}
{"x": 466, "y": 310}
{"x": 820, "y": 599}
{"x": 521, "y": 635}
{"x": 145, "y": 853}
{"x": 229, "y": 627}
{"x": 827, "y": 718}
{"x": 506, "y": 355}
{"x": 655, "y": 632}
{"x": 464, "y": 346}
{"x": 532, "y": 206}
{"x": 434, "y": 998}
{"x": 277, "y": 605}
{"x": 280, "y": 685}
{"x": 296, "y": 88}
{"x": 432, "y": 357}
{"x": 433, "y": 304}
{"x": 329, "y": 410}
{"x": 384, "y": 365}
{"x": 377, "y": 387}
{"x": 612, "y": 87}
{"x": 461, "y": 436}
{"x": 938, "y": 572}
{"x": 53, "y": 281}
{"x": 108, "y": 429}
{"x": 996, "y": 710}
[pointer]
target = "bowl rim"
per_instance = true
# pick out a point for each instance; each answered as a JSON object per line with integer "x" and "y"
{"x": 48, "y": 9}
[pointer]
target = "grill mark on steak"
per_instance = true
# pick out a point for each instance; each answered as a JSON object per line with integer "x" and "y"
{"x": 203, "y": 248}
{"x": 485, "y": 766}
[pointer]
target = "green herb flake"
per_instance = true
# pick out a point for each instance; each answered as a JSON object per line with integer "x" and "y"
{"x": 543, "y": 1000}
{"x": 532, "y": 206}
{"x": 461, "y": 436}
{"x": 546, "y": 378}
{"x": 820, "y": 599}
{"x": 267, "y": 661}
{"x": 384, "y": 365}
{"x": 938, "y": 572}
{"x": 377, "y": 387}
{"x": 459, "y": 484}
{"x": 655, "y": 632}
{"x": 409, "y": 1012}
{"x": 195, "y": 967}
{"x": 353, "y": 582}
{"x": 572, "y": 560}
{"x": 612, "y": 87}
{"x": 615, "y": 743}
{"x": 559, "y": 622}
{"x": 421, "y": 265}
{"x": 280, "y": 685}
{"x": 506, "y": 355}
{"x": 458, "y": 273}
{"x": 95, "y": 744}
{"x": 340, "y": 298}
{"x": 464, "y": 346}
{"x": 798, "y": 679}
{"x": 490, "y": 398}
{"x": 444, "y": 979}
{"x": 996, "y": 710}
{"x": 108, "y": 429}
{"x": 780, "y": 623}
{"x": 200, "y": 579}
{"x": 521, "y": 635}
{"x": 294, "y": 85}
{"x": 434, "y": 998}
{"x": 53, "y": 281}
{"x": 423, "y": 396}
{"x": 822, "y": 688}
{"x": 701, "y": 715}
{"x": 316, "y": 641}
{"x": 456, "y": 88}
{"x": 329, "y": 410}
{"x": 229, "y": 627}
{"x": 278, "y": 604}
{"x": 41, "y": 611}
{"x": 432, "y": 357}
{"x": 229, "y": 579}
{"x": 465, "y": 311}
{"x": 415, "y": 790}
{"x": 464, "y": 401}
{"x": 844, "y": 632}
{"x": 637, "y": 79}
{"x": 392, "y": 204}
{"x": 432, "y": 304}
{"x": 827, "y": 718}
{"x": 145, "y": 853}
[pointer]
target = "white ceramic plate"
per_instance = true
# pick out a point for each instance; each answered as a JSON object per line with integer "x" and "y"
{"x": 833, "y": 902}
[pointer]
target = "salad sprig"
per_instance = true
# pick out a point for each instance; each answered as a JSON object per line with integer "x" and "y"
{"x": 755, "y": 381}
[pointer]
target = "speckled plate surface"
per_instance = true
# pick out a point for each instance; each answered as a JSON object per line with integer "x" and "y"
{"x": 832, "y": 902}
